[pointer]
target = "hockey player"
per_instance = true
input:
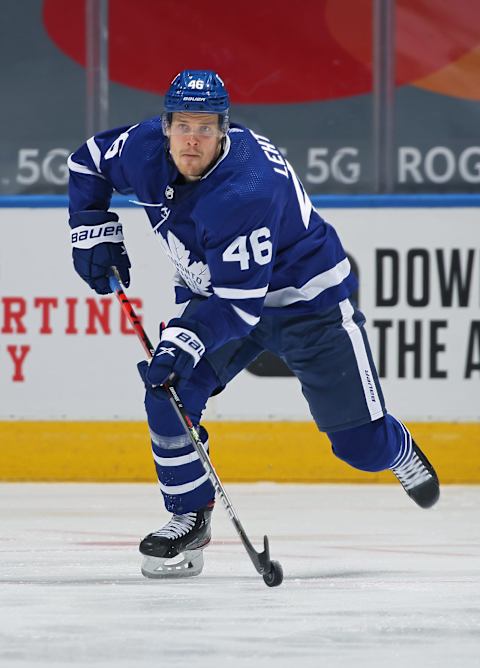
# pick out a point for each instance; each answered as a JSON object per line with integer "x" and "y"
{"x": 257, "y": 269}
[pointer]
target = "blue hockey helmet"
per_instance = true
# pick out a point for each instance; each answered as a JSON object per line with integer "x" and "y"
{"x": 197, "y": 91}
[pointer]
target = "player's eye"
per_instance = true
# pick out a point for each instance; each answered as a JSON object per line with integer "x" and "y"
{"x": 179, "y": 128}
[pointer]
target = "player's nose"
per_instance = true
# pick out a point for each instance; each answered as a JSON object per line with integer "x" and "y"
{"x": 192, "y": 138}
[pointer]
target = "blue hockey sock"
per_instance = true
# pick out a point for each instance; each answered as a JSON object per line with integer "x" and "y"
{"x": 182, "y": 479}
{"x": 374, "y": 446}
{"x": 181, "y": 476}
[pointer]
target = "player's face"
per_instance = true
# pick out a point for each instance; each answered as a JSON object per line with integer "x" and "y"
{"x": 195, "y": 141}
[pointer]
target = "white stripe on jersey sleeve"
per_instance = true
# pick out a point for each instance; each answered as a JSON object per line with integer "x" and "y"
{"x": 239, "y": 293}
{"x": 311, "y": 289}
{"x": 95, "y": 153}
{"x": 246, "y": 317}
{"x": 81, "y": 169}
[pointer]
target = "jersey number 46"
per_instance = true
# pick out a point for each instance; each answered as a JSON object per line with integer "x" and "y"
{"x": 260, "y": 244}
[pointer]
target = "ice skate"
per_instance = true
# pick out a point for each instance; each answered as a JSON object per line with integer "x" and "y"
{"x": 418, "y": 478}
{"x": 176, "y": 550}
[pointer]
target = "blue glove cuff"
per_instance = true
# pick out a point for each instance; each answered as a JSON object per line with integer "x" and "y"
{"x": 91, "y": 218}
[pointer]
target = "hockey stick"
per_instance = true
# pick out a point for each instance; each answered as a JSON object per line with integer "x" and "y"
{"x": 270, "y": 570}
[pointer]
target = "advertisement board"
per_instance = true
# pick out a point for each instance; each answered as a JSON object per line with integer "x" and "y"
{"x": 66, "y": 353}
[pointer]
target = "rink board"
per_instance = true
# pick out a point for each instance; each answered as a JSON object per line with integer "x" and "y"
{"x": 71, "y": 401}
{"x": 241, "y": 452}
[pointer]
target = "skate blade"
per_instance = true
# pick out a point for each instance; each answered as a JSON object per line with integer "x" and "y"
{"x": 185, "y": 565}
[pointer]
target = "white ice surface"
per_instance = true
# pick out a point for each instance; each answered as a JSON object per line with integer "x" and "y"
{"x": 370, "y": 580}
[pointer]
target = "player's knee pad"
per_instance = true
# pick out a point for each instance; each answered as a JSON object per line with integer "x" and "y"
{"x": 370, "y": 447}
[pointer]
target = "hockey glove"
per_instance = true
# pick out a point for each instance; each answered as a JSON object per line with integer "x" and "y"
{"x": 97, "y": 245}
{"x": 178, "y": 353}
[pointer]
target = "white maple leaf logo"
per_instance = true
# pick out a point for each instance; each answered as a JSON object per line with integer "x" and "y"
{"x": 195, "y": 274}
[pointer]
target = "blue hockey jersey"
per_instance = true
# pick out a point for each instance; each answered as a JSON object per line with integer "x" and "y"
{"x": 245, "y": 237}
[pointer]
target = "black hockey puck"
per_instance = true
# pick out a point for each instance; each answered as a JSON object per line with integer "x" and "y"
{"x": 274, "y": 577}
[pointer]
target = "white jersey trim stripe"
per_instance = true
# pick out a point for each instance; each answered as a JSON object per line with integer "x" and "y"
{"x": 81, "y": 169}
{"x": 95, "y": 153}
{"x": 238, "y": 293}
{"x": 183, "y": 489}
{"x": 304, "y": 201}
{"x": 226, "y": 151}
{"x": 311, "y": 289}
{"x": 246, "y": 317}
{"x": 366, "y": 376}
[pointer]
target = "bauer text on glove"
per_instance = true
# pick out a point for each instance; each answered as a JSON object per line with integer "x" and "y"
{"x": 178, "y": 353}
{"x": 97, "y": 245}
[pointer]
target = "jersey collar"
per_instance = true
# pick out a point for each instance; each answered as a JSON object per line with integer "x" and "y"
{"x": 222, "y": 157}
